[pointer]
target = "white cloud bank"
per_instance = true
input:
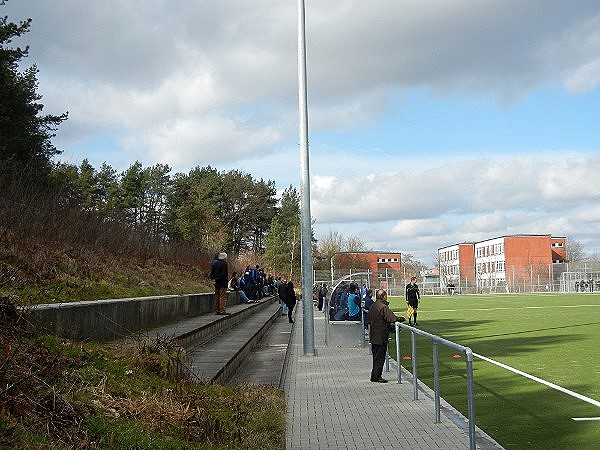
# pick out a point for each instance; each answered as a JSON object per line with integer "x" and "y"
{"x": 214, "y": 82}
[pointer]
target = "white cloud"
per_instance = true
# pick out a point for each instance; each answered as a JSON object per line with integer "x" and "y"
{"x": 410, "y": 229}
{"x": 450, "y": 202}
{"x": 204, "y": 82}
{"x": 584, "y": 78}
{"x": 467, "y": 186}
{"x": 126, "y": 64}
{"x": 184, "y": 143}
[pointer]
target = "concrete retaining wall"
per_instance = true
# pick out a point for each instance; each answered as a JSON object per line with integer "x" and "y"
{"x": 106, "y": 320}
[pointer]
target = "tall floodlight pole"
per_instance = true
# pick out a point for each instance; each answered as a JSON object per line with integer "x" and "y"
{"x": 305, "y": 219}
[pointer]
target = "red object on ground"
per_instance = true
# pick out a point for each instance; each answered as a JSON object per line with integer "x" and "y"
{"x": 406, "y": 357}
{"x": 456, "y": 356}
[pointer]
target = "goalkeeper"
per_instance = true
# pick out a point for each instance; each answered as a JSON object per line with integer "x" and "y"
{"x": 412, "y": 299}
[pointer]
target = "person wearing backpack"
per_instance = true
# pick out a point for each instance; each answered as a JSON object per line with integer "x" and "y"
{"x": 280, "y": 286}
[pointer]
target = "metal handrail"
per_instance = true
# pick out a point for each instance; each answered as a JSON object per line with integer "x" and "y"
{"x": 436, "y": 381}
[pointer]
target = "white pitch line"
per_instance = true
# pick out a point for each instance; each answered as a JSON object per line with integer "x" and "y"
{"x": 539, "y": 380}
{"x": 508, "y": 309}
{"x": 585, "y": 419}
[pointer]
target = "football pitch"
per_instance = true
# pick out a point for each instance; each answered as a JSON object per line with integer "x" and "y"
{"x": 554, "y": 337}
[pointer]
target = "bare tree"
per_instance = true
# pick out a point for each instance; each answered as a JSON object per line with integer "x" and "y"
{"x": 335, "y": 242}
{"x": 354, "y": 244}
{"x": 575, "y": 250}
{"x": 331, "y": 244}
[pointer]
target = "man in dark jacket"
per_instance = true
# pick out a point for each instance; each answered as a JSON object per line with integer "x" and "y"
{"x": 290, "y": 299}
{"x": 380, "y": 317}
{"x": 412, "y": 299}
{"x": 219, "y": 274}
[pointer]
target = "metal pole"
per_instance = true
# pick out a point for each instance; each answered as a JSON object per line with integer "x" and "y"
{"x": 398, "y": 354}
{"x": 436, "y": 382}
{"x": 331, "y": 266}
{"x": 414, "y": 365}
{"x": 470, "y": 398}
{"x": 308, "y": 333}
{"x": 387, "y": 360}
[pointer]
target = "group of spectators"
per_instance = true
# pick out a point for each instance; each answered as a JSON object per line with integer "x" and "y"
{"x": 252, "y": 285}
{"x": 586, "y": 285}
{"x": 346, "y": 302}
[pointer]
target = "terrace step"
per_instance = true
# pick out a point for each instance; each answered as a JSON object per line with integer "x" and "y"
{"x": 215, "y": 346}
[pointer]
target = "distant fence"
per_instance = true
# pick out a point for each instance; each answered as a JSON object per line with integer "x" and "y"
{"x": 392, "y": 281}
{"x": 580, "y": 281}
{"x": 516, "y": 279}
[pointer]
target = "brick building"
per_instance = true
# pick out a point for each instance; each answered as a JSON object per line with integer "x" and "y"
{"x": 384, "y": 266}
{"x": 373, "y": 261}
{"x": 456, "y": 264}
{"x": 524, "y": 262}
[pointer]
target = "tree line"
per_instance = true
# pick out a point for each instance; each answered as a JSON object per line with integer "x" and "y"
{"x": 205, "y": 210}
{"x": 143, "y": 212}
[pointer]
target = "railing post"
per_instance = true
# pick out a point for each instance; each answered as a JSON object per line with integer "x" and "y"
{"x": 436, "y": 382}
{"x": 387, "y": 359}
{"x": 469, "y": 366}
{"x": 398, "y": 354}
{"x": 414, "y": 365}
{"x": 470, "y": 398}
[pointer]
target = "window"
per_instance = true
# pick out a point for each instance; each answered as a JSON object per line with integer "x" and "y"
{"x": 385, "y": 260}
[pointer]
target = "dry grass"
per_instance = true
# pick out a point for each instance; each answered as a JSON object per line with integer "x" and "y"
{"x": 36, "y": 272}
{"x": 57, "y": 393}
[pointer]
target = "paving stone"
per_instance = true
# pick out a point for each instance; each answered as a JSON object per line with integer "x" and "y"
{"x": 332, "y": 404}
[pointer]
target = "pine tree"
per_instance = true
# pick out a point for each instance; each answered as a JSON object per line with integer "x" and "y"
{"x": 25, "y": 135}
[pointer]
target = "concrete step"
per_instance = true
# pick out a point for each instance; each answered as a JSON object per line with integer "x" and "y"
{"x": 266, "y": 363}
{"x": 216, "y": 361}
{"x": 205, "y": 327}
{"x": 215, "y": 346}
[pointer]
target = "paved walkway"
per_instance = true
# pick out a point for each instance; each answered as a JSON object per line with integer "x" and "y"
{"x": 332, "y": 404}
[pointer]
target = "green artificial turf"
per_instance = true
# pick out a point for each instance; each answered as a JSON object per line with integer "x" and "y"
{"x": 554, "y": 337}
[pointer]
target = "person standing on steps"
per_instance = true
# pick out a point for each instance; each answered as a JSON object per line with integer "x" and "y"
{"x": 380, "y": 318}
{"x": 280, "y": 289}
{"x": 412, "y": 298}
{"x": 290, "y": 299}
{"x": 219, "y": 274}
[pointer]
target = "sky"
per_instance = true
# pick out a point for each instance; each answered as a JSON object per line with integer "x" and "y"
{"x": 431, "y": 122}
